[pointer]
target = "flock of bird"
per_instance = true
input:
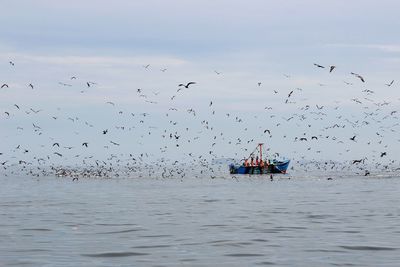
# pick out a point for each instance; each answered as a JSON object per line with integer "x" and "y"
{"x": 199, "y": 136}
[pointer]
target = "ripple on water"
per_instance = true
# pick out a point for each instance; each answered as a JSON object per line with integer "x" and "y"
{"x": 36, "y": 229}
{"x": 32, "y": 250}
{"x": 152, "y": 246}
{"x": 244, "y": 255}
{"x": 115, "y": 254}
{"x": 266, "y": 263}
{"x": 374, "y": 248}
{"x": 119, "y": 232}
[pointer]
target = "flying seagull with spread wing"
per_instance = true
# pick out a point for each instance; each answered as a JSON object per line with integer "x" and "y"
{"x": 187, "y": 85}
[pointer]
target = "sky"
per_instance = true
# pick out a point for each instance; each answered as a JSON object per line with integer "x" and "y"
{"x": 227, "y": 48}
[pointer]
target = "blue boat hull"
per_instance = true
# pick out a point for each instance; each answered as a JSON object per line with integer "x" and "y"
{"x": 274, "y": 167}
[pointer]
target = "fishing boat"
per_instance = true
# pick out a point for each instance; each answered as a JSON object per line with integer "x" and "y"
{"x": 258, "y": 165}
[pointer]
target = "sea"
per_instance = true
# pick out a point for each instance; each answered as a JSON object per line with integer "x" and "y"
{"x": 303, "y": 220}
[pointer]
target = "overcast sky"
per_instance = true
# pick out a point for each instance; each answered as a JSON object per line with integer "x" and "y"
{"x": 272, "y": 42}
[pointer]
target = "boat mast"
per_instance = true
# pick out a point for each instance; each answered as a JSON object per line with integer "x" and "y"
{"x": 260, "y": 145}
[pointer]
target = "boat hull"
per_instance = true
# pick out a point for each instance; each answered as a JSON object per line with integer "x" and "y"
{"x": 274, "y": 167}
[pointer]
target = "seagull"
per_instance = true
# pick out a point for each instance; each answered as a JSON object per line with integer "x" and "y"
{"x": 64, "y": 84}
{"x": 105, "y": 131}
{"x": 218, "y": 73}
{"x": 291, "y": 92}
{"x": 35, "y": 111}
{"x": 30, "y": 85}
{"x": 389, "y": 84}
{"x": 331, "y": 68}
{"x": 353, "y": 138}
{"x": 146, "y": 66}
{"x": 383, "y": 154}
{"x": 163, "y": 70}
{"x": 259, "y": 83}
{"x": 114, "y": 143}
{"x": 4, "y": 85}
{"x": 358, "y": 76}
{"x": 56, "y": 144}
{"x": 58, "y": 154}
{"x": 11, "y": 63}
{"x": 187, "y": 85}
{"x": 15, "y": 105}
{"x": 319, "y": 66}
{"x": 85, "y": 144}
{"x": 267, "y": 131}
{"x": 111, "y": 103}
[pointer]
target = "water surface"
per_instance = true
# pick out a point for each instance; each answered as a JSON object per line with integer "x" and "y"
{"x": 351, "y": 221}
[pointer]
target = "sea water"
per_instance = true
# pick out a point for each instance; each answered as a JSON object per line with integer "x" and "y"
{"x": 240, "y": 221}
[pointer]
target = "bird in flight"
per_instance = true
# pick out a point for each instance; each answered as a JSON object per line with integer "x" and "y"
{"x": 331, "y": 68}
{"x": 187, "y": 85}
{"x": 85, "y": 144}
{"x": 319, "y": 66}
{"x": 35, "y": 111}
{"x": 389, "y": 84}
{"x": 116, "y": 144}
{"x": 4, "y": 85}
{"x": 358, "y": 76}
{"x": 30, "y": 85}
{"x": 64, "y": 84}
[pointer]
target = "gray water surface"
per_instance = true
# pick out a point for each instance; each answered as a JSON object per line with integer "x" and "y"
{"x": 351, "y": 221}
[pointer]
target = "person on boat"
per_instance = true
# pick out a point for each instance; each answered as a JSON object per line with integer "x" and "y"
{"x": 246, "y": 163}
{"x": 252, "y": 161}
{"x": 257, "y": 161}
